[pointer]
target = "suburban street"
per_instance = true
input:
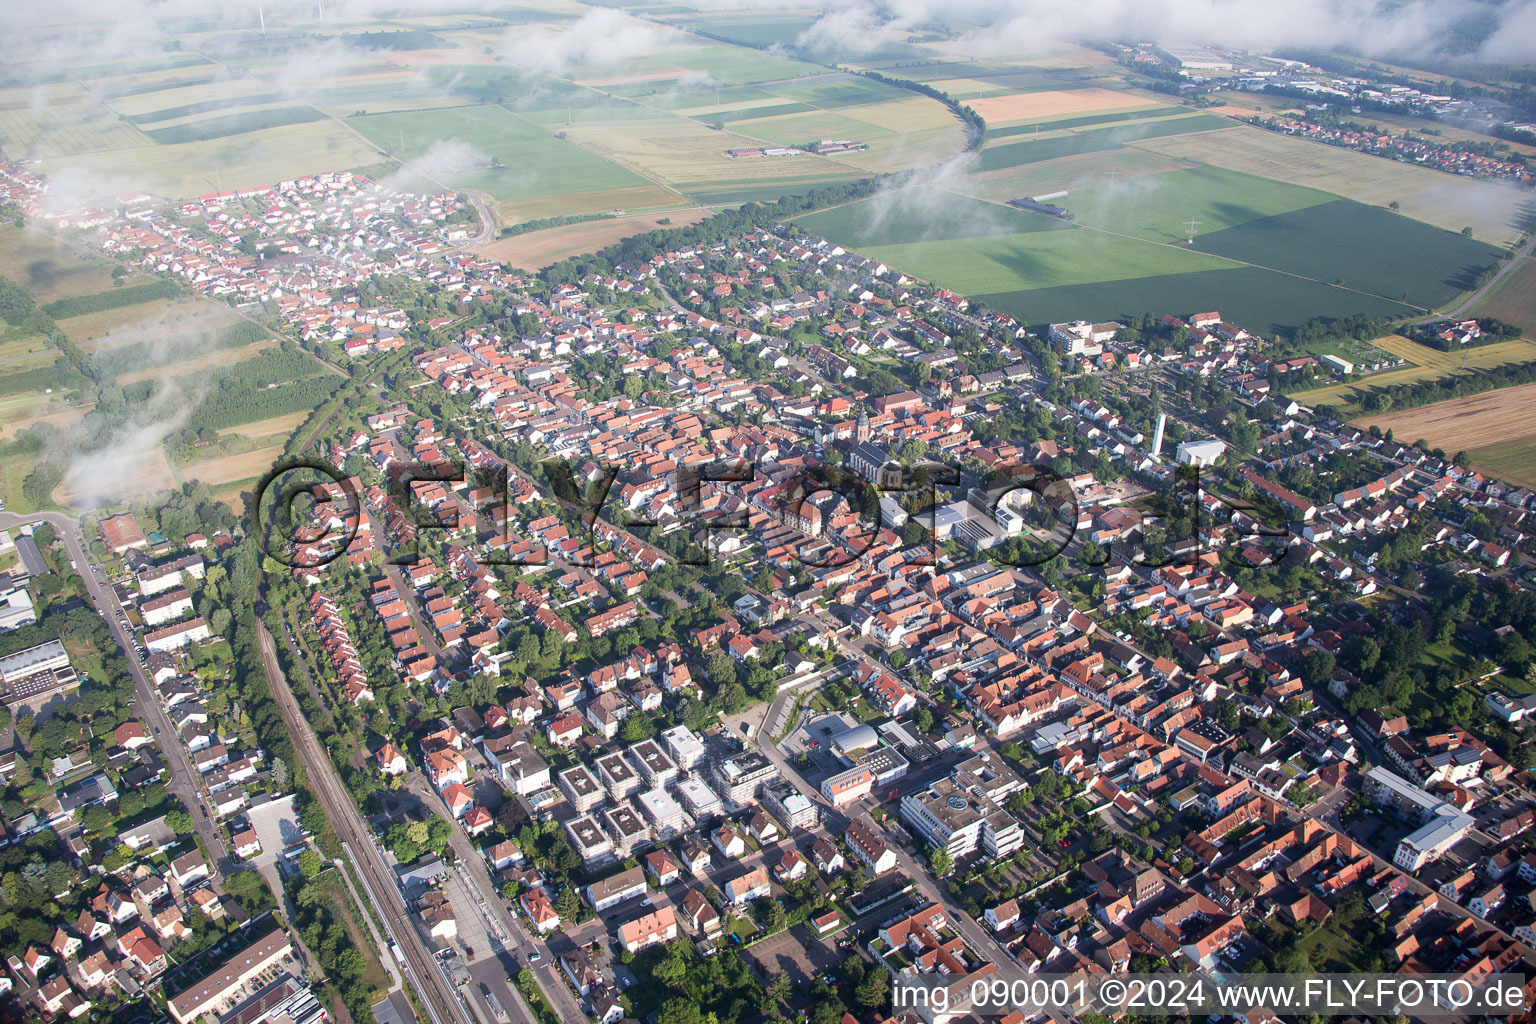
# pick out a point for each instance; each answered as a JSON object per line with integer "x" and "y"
{"x": 383, "y": 890}
{"x": 185, "y": 781}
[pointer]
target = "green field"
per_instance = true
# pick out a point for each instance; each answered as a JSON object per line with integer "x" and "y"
{"x": 1039, "y": 259}
{"x": 1158, "y": 206}
{"x": 1014, "y": 154}
{"x": 536, "y": 162}
{"x": 1362, "y": 246}
{"x": 1514, "y": 461}
{"x": 1260, "y": 300}
{"x": 922, "y": 214}
{"x": 1083, "y": 121}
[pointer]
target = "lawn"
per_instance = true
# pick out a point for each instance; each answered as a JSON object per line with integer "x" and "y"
{"x": 535, "y": 161}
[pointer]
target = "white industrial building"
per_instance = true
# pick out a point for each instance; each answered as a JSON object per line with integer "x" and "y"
{"x": 1199, "y": 453}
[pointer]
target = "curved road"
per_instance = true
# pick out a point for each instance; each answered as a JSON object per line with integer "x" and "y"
{"x": 185, "y": 782}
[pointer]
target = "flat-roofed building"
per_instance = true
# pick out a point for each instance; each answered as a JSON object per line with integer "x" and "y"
{"x": 618, "y": 776}
{"x": 702, "y": 801}
{"x": 36, "y": 673}
{"x": 665, "y": 813}
{"x": 580, "y": 787}
{"x": 657, "y": 768}
{"x": 961, "y": 820}
{"x": 591, "y": 843}
{"x": 685, "y": 749}
{"x": 740, "y": 778}
{"x": 789, "y": 805}
{"x": 626, "y": 827}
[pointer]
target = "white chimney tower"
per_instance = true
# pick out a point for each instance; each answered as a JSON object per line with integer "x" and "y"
{"x": 1157, "y": 436}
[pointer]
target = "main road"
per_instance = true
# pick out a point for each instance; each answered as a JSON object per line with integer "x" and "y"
{"x": 186, "y": 781}
{"x": 357, "y": 841}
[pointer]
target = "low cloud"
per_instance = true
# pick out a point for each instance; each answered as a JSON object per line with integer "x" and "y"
{"x": 601, "y": 36}
{"x": 445, "y": 165}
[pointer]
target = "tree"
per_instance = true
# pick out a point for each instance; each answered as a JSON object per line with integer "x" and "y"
{"x": 679, "y": 1011}
{"x": 180, "y": 822}
{"x": 778, "y": 988}
{"x": 311, "y": 863}
{"x": 874, "y": 991}
{"x": 941, "y": 862}
{"x": 96, "y": 819}
{"x": 567, "y": 905}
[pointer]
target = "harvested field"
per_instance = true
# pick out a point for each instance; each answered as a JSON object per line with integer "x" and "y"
{"x": 134, "y": 476}
{"x": 112, "y": 323}
{"x": 1021, "y": 106}
{"x": 252, "y": 158}
{"x": 1444, "y": 200}
{"x": 272, "y": 425}
{"x": 1514, "y": 300}
{"x": 538, "y": 249}
{"x": 647, "y": 197}
{"x": 66, "y": 417}
{"x": 1477, "y": 421}
{"x": 49, "y": 269}
{"x": 1428, "y": 362}
{"x": 227, "y": 469}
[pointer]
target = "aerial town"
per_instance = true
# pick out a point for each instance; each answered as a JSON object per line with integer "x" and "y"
{"x": 553, "y": 512}
{"x": 643, "y": 650}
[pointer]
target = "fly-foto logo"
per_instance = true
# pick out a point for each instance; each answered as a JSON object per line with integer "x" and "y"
{"x": 309, "y": 513}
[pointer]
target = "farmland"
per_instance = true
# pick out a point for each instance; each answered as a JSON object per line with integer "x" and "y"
{"x": 1444, "y": 200}
{"x": 1427, "y": 363}
{"x": 1496, "y": 429}
{"x": 1493, "y": 417}
{"x": 538, "y": 249}
{"x": 1514, "y": 300}
{"x": 1014, "y": 261}
{"x": 1513, "y": 460}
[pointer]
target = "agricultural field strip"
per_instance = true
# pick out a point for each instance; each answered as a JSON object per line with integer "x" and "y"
{"x": 1183, "y": 249}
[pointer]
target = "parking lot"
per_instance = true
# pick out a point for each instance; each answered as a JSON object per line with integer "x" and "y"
{"x": 783, "y": 954}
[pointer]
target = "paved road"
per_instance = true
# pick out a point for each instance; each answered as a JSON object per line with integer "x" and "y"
{"x": 185, "y": 782}
{"x": 383, "y": 891}
{"x": 1493, "y": 282}
{"x": 545, "y": 972}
